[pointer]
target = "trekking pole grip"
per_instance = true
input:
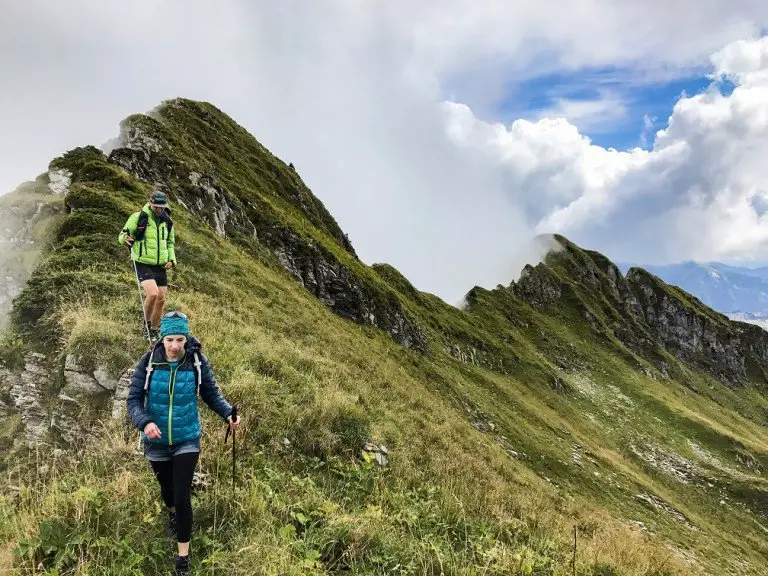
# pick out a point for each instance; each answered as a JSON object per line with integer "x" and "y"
{"x": 230, "y": 430}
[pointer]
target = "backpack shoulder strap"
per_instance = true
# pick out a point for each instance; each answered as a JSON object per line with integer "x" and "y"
{"x": 149, "y": 368}
{"x": 141, "y": 225}
{"x": 198, "y": 373}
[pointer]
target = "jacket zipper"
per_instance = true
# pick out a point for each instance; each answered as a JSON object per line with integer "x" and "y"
{"x": 172, "y": 386}
{"x": 154, "y": 364}
{"x": 157, "y": 235}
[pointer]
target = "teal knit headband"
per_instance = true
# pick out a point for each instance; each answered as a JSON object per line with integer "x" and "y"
{"x": 174, "y": 326}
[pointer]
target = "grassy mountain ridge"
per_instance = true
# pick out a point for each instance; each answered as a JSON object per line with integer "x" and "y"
{"x": 554, "y": 402}
{"x": 27, "y": 214}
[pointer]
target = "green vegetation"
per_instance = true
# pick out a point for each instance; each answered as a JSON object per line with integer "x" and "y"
{"x": 513, "y": 428}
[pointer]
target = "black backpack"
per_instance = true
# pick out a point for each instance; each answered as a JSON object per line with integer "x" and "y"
{"x": 141, "y": 225}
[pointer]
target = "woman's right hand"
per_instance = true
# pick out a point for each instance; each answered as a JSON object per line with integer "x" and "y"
{"x": 152, "y": 431}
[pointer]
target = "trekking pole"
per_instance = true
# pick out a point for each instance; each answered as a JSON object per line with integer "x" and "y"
{"x": 226, "y": 436}
{"x": 145, "y": 330}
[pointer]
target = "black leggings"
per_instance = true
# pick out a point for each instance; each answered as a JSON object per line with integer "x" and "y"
{"x": 175, "y": 478}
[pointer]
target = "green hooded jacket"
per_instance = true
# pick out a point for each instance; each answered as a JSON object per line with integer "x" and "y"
{"x": 157, "y": 247}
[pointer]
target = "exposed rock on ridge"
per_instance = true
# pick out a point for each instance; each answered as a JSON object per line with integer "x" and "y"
{"x": 644, "y": 313}
{"x": 71, "y": 415}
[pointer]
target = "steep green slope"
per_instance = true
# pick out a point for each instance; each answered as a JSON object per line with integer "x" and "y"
{"x": 572, "y": 398}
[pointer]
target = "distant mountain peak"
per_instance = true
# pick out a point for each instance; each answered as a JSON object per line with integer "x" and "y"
{"x": 726, "y": 288}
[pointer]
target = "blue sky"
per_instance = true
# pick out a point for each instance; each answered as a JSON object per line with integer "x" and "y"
{"x": 619, "y": 109}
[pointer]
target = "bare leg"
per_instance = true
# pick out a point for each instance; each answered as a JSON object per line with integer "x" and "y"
{"x": 157, "y": 312}
{"x": 151, "y": 294}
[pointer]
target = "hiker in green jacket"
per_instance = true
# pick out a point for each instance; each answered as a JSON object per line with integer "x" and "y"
{"x": 151, "y": 236}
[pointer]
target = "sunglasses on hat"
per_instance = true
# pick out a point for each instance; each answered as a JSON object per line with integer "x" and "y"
{"x": 175, "y": 314}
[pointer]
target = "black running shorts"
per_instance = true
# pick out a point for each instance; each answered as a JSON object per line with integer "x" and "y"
{"x": 156, "y": 273}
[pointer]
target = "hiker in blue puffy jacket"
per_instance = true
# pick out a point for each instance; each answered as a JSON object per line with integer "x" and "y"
{"x": 162, "y": 403}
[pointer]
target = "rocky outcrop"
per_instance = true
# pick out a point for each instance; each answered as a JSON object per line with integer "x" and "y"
{"x": 79, "y": 381}
{"x": 333, "y": 284}
{"x": 59, "y": 181}
{"x": 211, "y": 202}
{"x": 616, "y": 286}
{"x": 489, "y": 359}
{"x": 645, "y": 314}
{"x": 119, "y": 407}
{"x": 86, "y": 397}
{"x": 24, "y": 394}
{"x": 706, "y": 340}
{"x": 379, "y": 454}
{"x": 538, "y": 286}
{"x": 138, "y": 153}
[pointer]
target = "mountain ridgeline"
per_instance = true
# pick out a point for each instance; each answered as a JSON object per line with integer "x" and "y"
{"x": 386, "y": 431}
{"x": 729, "y": 289}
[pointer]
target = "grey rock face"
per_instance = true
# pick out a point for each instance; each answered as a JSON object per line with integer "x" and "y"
{"x": 84, "y": 397}
{"x": 334, "y": 286}
{"x": 491, "y": 360}
{"x": 691, "y": 336}
{"x": 379, "y": 453}
{"x": 59, "y": 181}
{"x": 538, "y": 286}
{"x": 119, "y": 408}
{"x": 26, "y": 391}
{"x": 78, "y": 381}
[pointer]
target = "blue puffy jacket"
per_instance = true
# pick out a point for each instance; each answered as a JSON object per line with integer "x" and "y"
{"x": 171, "y": 402}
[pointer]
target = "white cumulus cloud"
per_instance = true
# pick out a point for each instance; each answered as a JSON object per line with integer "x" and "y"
{"x": 699, "y": 193}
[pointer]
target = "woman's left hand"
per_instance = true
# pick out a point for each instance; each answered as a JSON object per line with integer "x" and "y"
{"x": 234, "y": 424}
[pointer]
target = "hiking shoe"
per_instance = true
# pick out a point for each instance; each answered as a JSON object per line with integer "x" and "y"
{"x": 171, "y": 528}
{"x": 182, "y": 566}
{"x": 154, "y": 335}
